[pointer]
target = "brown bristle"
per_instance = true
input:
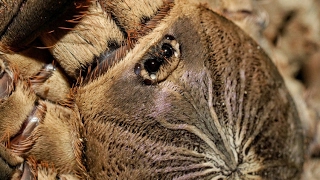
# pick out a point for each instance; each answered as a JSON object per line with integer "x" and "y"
{"x": 47, "y": 47}
{"x": 6, "y": 139}
{"x": 69, "y": 101}
{"x": 32, "y": 163}
{"x": 7, "y": 83}
{"x": 78, "y": 149}
{"x": 66, "y": 28}
{"x": 82, "y": 4}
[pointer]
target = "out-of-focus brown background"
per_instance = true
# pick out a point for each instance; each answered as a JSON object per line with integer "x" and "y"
{"x": 289, "y": 31}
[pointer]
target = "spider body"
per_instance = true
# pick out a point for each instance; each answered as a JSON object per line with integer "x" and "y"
{"x": 187, "y": 96}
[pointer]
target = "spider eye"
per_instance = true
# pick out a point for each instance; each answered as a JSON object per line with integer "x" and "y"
{"x": 153, "y": 65}
{"x": 169, "y": 37}
{"x": 167, "y": 50}
{"x": 137, "y": 69}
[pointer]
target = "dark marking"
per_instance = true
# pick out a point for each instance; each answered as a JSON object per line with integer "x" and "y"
{"x": 145, "y": 19}
{"x": 283, "y": 26}
{"x": 121, "y": 28}
{"x": 300, "y": 76}
{"x": 147, "y": 82}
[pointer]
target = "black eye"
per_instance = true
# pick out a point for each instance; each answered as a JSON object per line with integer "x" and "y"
{"x": 153, "y": 65}
{"x": 167, "y": 50}
{"x": 169, "y": 37}
{"x": 137, "y": 69}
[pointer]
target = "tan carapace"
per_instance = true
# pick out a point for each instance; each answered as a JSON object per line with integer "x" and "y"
{"x": 144, "y": 90}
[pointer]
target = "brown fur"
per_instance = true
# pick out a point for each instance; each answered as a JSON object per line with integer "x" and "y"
{"x": 84, "y": 42}
{"x": 209, "y": 118}
{"x": 217, "y": 110}
{"x": 130, "y": 14}
{"x": 59, "y": 132}
{"x": 24, "y": 23}
{"x": 48, "y": 82}
{"x": 32, "y": 65}
{"x": 29, "y": 62}
{"x": 132, "y": 38}
{"x": 9, "y": 163}
{"x": 19, "y": 101}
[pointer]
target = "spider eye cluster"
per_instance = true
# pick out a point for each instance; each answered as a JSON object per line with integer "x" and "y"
{"x": 160, "y": 61}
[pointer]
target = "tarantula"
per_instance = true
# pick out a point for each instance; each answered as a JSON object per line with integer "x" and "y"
{"x": 139, "y": 90}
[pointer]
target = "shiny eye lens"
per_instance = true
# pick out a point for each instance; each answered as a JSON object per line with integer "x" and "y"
{"x": 153, "y": 65}
{"x": 169, "y": 37}
{"x": 137, "y": 69}
{"x": 167, "y": 50}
